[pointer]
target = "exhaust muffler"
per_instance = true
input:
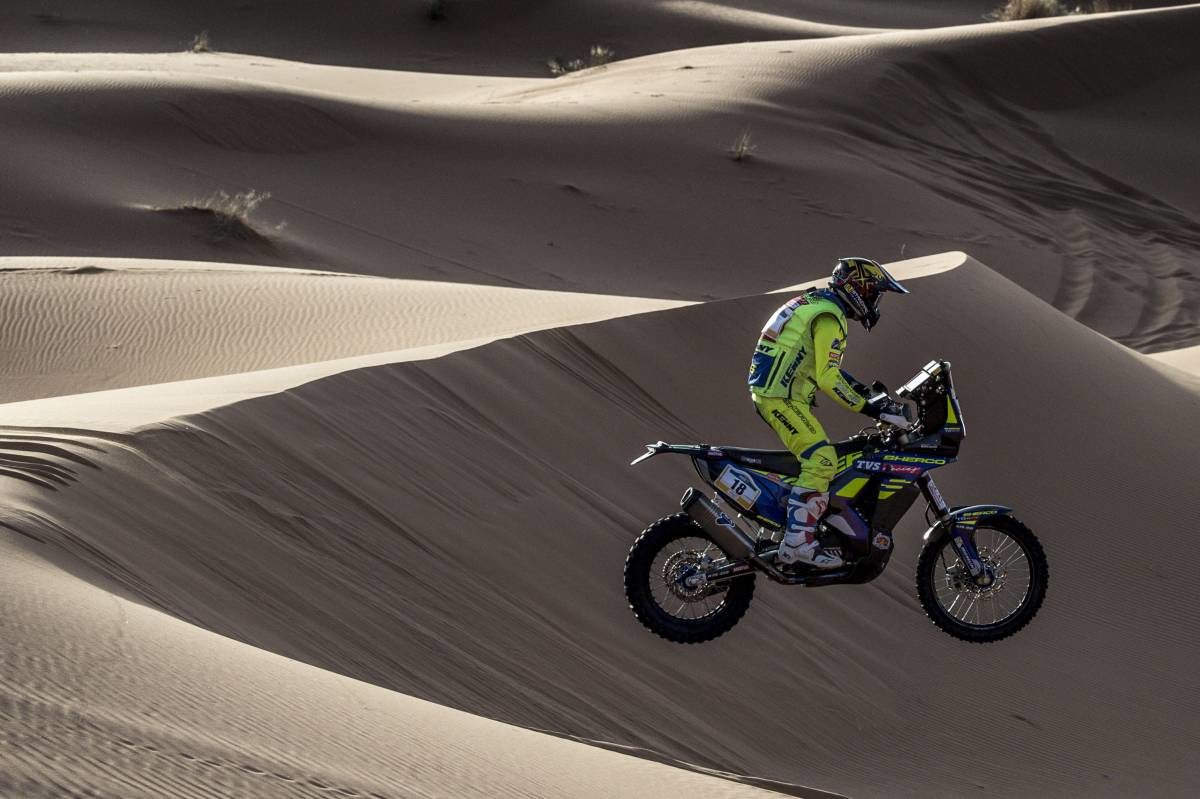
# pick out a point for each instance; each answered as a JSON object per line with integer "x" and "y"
{"x": 722, "y": 529}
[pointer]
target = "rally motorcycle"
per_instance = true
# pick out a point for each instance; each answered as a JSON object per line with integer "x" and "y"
{"x": 981, "y": 574}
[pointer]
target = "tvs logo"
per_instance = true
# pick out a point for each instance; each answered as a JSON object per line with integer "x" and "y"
{"x": 888, "y": 468}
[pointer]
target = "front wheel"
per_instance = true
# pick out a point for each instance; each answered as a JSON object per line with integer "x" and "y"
{"x": 667, "y": 591}
{"x": 954, "y": 602}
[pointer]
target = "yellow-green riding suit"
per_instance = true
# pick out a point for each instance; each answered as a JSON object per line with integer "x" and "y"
{"x": 799, "y": 351}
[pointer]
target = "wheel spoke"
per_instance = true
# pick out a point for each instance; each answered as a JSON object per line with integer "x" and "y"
{"x": 674, "y": 563}
{"x": 978, "y": 606}
{"x": 1018, "y": 555}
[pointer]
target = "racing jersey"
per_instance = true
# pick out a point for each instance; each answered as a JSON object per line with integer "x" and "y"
{"x": 801, "y": 349}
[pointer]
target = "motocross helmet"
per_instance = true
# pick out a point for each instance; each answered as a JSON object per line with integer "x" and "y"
{"x": 858, "y": 283}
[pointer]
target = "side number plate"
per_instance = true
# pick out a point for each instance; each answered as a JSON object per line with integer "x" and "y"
{"x": 739, "y": 487}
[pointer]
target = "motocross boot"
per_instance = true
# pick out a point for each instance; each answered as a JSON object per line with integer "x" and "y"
{"x": 800, "y": 545}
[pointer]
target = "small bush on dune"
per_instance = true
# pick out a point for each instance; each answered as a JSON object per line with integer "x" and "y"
{"x": 1038, "y": 9}
{"x": 1028, "y": 9}
{"x": 559, "y": 66}
{"x": 200, "y": 43}
{"x": 598, "y": 55}
{"x": 743, "y": 147}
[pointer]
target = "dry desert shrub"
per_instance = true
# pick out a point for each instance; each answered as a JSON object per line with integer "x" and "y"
{"x": 598, "y": 55}
{"x": 743, "y": 146}
{"x": 200, "y": 43}
{"x": 1029, "y": 9}
{"x": 1038, "y": 9}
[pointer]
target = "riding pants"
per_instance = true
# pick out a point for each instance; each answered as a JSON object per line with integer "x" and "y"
{"x": 802, "y": 434}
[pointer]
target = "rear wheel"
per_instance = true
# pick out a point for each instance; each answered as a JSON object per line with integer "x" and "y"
{"x": 955, "y": 602}
{"x": 666, "y": 588}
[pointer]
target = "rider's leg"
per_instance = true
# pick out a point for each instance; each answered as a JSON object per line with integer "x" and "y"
{"x": 803, "y": 435}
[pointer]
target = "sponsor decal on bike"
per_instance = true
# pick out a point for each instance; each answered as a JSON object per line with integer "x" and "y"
{"x": 915, "y": 459}
{"x": 882, "y": 541}
{"x": 968, "y": 520}
{"x": 888, "y": 468}
{"x": 845, "y": 460}
{"x": 973, "y": 565}
{"x": 938, "y": 502}
{"x": 738, "y": 486}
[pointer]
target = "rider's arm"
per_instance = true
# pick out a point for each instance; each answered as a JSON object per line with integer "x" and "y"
{"x": 829, "y": 341}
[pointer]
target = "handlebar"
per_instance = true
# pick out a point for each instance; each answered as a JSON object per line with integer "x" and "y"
{"x": 888, "y": 433}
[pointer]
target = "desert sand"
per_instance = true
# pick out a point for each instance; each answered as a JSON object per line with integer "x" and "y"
{"x": 337, "y": 504}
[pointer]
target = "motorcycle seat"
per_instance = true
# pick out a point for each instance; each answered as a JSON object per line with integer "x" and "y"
{"x": 776, "y": 461}
{"x": 779, "y": 461}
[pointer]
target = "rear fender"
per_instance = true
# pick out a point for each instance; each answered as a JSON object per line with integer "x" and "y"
{"x": 659, "y": 447}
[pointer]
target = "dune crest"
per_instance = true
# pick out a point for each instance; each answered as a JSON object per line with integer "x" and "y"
{"x": 82, "y": 325}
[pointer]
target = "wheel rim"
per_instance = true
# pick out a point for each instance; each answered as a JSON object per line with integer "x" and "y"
{"x": 981, "y": 607}
{"x": 676, "y": 585}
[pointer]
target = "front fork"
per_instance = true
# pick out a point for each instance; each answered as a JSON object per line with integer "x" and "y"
{"x": 963, "y": 544}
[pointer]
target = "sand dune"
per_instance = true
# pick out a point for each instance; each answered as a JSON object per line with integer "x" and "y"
{"x": 76, "y": 325}
{"x": 478, "y": 37}
{"x": 569, "y": 184}
{"x": 268, "y": 496}
{"x": 369, "y": 494}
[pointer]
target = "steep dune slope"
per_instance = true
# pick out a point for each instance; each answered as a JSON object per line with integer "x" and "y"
{"x": 455, "y": 528}
{"x": 101, "y": 696}
{"x": 620, "y": 180}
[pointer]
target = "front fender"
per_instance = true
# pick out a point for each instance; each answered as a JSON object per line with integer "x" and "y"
{"x": 965, "y": 518}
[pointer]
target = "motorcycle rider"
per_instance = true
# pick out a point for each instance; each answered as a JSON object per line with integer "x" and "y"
{"x": 800, "y": 350}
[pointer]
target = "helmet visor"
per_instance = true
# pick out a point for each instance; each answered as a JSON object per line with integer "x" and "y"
{"x": 888, "y": 283}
